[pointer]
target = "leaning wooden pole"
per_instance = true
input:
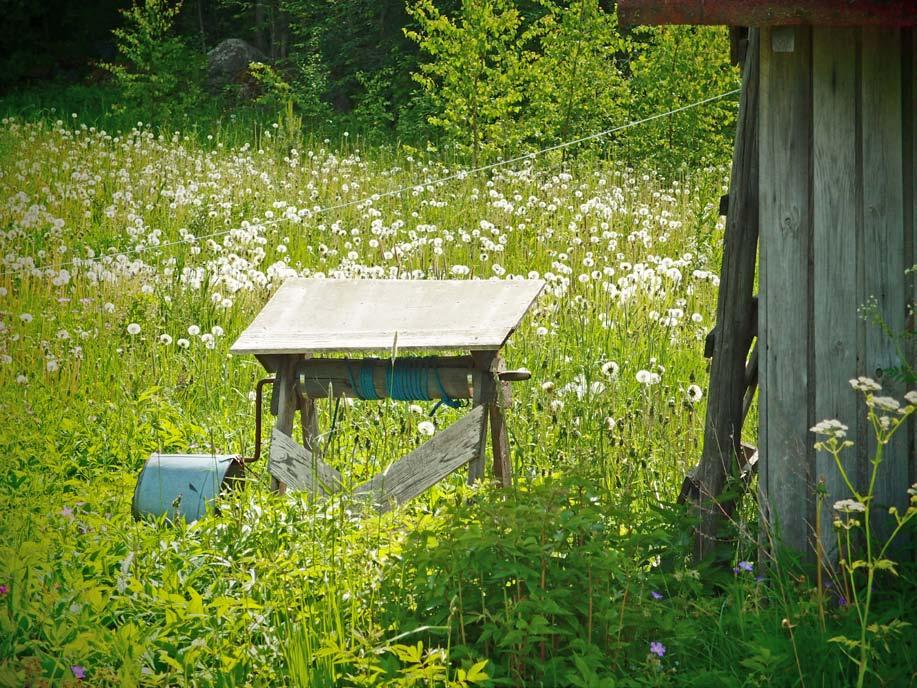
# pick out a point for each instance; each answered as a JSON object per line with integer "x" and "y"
{"x": 735, "y": 318}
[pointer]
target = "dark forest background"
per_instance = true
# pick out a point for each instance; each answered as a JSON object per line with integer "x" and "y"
{"x": 483, "y": 78}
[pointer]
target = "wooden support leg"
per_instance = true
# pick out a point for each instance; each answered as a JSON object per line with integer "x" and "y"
{"x": 482, "y": 383}
{"x": 286, "y": 407}
{"x": 499, "y": 439}
{"x": 498, "y": 397}
{"x": 308, "y": 415}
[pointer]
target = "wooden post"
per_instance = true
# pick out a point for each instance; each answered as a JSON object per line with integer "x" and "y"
{"x": 484, "y": 392}
{"x": 834, "y": 251}
{"x": 909, "y": 64}
{"x": 286, "y": 406}
{"x": 735, "y": 319}
{"x": 308, "y": 416}
{"x": 785, "y": 479}
{"x": 499, "y": 437}
{"x": 883, "y": 251}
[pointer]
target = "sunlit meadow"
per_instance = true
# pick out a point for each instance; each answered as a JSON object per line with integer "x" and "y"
{"x": 132, "y": 260}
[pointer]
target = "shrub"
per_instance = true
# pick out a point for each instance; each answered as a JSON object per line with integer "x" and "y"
{"x": 159, "y": 74}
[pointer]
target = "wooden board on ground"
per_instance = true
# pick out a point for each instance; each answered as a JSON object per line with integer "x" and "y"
{"x": 297, "y": 468}
{"x": 326, "y": 315}
{"x": 428, "y": 464}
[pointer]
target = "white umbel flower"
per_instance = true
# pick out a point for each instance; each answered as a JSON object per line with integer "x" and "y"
{"x": 830, "y": 428}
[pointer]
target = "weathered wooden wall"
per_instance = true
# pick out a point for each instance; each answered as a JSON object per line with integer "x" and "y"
{"x": 837, "y": 209}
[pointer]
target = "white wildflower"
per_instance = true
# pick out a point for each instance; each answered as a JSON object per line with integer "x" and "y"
{"x": 695, "y": 394}
{"x": 887, "y": 404}
{"x": 849, "y": 506}
{"x": 610, "y": 369}
{"x": 165, "y": 339}
{"x": 645, "y": 377}
{"x": 830, "y": 428}
{"x": 426, "y": 428}
{"x": 183, "y": 343}
{"x": 133, "y": 329}
{"x": 865, "y": 384}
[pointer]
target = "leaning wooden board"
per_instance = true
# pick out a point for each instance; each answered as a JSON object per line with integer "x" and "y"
{"x": 325, "y": 315}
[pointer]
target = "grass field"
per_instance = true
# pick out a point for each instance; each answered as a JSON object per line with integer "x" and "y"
{"x": 131, "y": 261}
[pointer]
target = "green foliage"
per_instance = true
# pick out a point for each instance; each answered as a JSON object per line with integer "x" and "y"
{"x": 576, "y": 88}
{"x": 886, "y": 416}
{"x": 673, "y": 66}
{"x": 159, "y": 74}
{"x": 477, "y": 73}
{"x": 499, "y": 82}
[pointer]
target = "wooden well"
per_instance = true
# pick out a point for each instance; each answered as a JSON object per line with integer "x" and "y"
{"x": 353, "y": 338}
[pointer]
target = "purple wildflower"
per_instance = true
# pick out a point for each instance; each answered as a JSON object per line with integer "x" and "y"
{"x": 744, "y": 566}
{"x": 3, "y": 589}
{"x": 841, "y": 601}
{"x": 657, "y": 649}
{"x": 656, "y": 595}
{"x": 67, "y": 513}
{"x": 79, "y": 672}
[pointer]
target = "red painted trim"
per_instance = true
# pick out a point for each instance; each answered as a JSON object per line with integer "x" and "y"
{"x": 770, "y": 12}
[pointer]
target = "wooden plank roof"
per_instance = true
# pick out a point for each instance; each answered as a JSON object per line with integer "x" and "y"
{"x": 770, "y": 12}
{"x": 329, "y": 315}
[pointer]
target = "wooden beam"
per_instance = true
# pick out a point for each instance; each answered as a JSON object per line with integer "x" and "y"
{"x": 735, "y": 319}
{"x": 764, "y": 13}
{"x": 308, "y": 416}
{"x": 285, "y": 404}
{"x": 909, "y": 75}
{"x": 834, "y": 84}
{"x": 499, "y": 436}
{"x": 484, "y": 394}
{"x": 785, "y": 479}
{"x": 300, "y": 469}
{"x": 883, "y": 245}
{"x": 447, "y": 451}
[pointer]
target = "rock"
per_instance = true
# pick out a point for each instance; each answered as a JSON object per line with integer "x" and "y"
{"x": 228, "y": 63}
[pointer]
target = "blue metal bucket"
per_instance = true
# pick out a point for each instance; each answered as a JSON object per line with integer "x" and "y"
{"x": 182, "y": 485}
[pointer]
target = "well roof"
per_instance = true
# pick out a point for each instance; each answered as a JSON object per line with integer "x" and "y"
{"x": 329, "y": 315}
